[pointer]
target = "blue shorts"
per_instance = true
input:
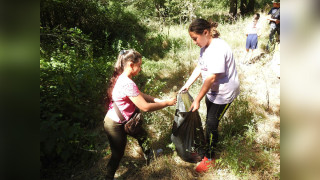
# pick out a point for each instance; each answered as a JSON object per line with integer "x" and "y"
{"x": 252, "y": 41}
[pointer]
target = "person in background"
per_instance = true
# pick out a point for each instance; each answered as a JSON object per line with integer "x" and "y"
{"x": 274, "y": 21}
{"x": 252, "y": 33}
{"x": 220, "y": 83}
{"x": 125, "y": 94}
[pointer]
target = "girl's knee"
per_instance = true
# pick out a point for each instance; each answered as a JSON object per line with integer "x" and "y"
{"x": 117, "y": 155}
{"x": 212, "y": 126}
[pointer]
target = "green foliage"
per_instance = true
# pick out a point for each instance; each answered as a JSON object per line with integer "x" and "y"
{"x": 213, "y": 7}
{"x": 263, "y": 5}
{"x": 180, "y": 11}
{"x": 72, "y": 89}
{"x": 89, "y": 16}
{"x": 71, "y": 100}
{"x": 124, "y": 29}
{"x": 149, "y": 84}
{"x": 156, "y": 46}
{"x": 154, "y": 86}
{"x": 241, "y": 154}
{"x": 171, "y": 146}
{"x": 166, "y": 11}
{"x": 106, "y": 24}
{"x": 71, "y": 41}
{"x": 239, "y": 117}
{"x": 54, "y": 142}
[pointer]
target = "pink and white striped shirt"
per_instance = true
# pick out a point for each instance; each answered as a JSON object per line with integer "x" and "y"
{"x": 123, "y": 89}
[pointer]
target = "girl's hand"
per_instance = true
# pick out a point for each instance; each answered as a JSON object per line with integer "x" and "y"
{"x": 184, "y": 88}
{"x": 194, "y": 106}
{"x": 171, "y": 102}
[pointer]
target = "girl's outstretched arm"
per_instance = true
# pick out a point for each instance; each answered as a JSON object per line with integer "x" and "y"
{"x": 149, "y": 98}
{"x": 203, "y": 91}
{"x": 143, "y": 105}
{"x": 195, "y": 74}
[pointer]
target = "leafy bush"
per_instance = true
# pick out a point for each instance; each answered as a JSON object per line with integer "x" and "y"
{"x": 105, "y": 23}
{"x": 72, "y": 89}
{"x": 89, "y": 16}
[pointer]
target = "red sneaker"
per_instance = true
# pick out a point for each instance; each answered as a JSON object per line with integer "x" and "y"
{"x": 205, "y": 164}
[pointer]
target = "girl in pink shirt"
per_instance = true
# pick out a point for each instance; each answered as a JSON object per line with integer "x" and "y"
{"x": 126, "y": 95}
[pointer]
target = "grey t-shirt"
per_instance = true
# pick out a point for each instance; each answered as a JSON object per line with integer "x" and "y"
{"x": 276, "y": 16}
{"x": 218, "y": 58}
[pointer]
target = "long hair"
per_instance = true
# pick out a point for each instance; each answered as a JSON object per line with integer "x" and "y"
{"x": 124, "y": 57}
{"x": 199, "y": 25}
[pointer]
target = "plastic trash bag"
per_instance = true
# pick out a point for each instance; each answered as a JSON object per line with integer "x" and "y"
{"x": 187, "y": 132}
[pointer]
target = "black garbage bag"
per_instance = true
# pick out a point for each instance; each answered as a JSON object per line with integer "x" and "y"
{"x": 187, "y": 132}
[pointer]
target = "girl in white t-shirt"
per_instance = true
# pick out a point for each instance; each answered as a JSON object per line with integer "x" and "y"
{"x": 252, "y": 32}
{"x": 127, "y": 97}
{"x": 217, "y": 67}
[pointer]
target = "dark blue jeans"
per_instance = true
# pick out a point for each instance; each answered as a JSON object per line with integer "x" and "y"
{"x": 273, "y": 31}
{"x": 215, "y": 113}
{"x": 118, "y": 140}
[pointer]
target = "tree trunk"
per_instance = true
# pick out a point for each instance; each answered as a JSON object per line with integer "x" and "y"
{"x": 250, "y": 7}
{"x": 247, "y": 6}
{"x": 243, "y": 7}
{"x": 233, "y": 8}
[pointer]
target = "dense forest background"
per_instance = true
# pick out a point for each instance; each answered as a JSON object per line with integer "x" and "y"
{"x": 79, "y": 43}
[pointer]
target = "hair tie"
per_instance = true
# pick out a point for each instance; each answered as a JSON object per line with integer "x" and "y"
{"x": 122, "y": 52}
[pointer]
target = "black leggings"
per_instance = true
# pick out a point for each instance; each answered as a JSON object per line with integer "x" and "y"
{"x": 215, "y": 113}
{"x": 118, "y": 140}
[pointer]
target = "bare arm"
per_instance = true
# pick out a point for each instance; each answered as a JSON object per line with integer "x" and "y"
{"x": 195, "y": 74}
{"x": 143, "y": 105}
{"x": 277, "y": 21}
{"x": 148, "y": 98}
{"x": 204, "y": 89}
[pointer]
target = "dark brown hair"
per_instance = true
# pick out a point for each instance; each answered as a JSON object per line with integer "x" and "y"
{"x": 199, "y": 25}
{"x": 256, "y": 16}
{"x": 124, "y": 57}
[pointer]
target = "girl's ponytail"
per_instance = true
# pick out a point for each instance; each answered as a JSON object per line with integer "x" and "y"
{"x": 214, "y": 31}
{"x": 123, "y": 57}
{"x": 199, "y": 25}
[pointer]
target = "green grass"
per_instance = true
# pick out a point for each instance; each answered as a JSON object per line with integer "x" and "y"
{"x": 239, "y": 150}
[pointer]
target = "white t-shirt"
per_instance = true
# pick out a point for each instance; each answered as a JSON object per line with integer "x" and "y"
{"x": 218, "y": 58}
{"x": 253, "y": 28}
